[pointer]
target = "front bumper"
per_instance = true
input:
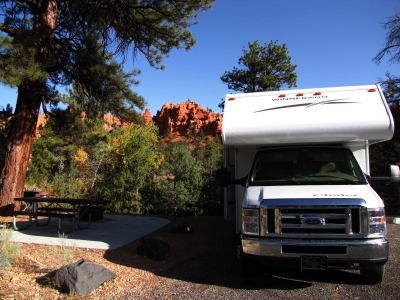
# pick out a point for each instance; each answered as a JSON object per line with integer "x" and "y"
{"x": 345, "y": 254}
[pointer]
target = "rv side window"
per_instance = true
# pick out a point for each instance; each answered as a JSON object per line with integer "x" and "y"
{"x": 306, "y": 165}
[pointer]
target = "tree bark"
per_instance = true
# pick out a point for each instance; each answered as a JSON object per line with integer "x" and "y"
{"x": 23, "y": 124}
{"x": 19, "y": 143}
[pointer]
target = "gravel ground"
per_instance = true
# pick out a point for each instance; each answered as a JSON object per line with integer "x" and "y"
{"x": 200, "y": 265}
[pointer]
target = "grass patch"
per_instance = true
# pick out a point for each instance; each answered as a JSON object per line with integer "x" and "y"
{"x": 10, "y": 252}
{"x": 64, "y": 252}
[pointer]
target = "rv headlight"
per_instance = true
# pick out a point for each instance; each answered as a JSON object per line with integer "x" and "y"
{"x": 377, "y": 221}
{"x": 250, "y": 221}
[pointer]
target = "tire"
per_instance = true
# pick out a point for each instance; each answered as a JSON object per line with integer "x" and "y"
{"x": 373, "y": 275}
{"x": 249, "y": 269}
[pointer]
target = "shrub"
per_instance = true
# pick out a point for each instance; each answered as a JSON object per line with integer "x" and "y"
{"x": 10, "y": 252}
{"x": 63, "y": 252}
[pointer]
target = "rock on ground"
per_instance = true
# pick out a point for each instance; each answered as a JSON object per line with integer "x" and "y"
{"x": 81, "y": 277}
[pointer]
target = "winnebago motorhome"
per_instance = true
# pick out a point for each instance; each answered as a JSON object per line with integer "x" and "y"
{"x": 302, "y": 159}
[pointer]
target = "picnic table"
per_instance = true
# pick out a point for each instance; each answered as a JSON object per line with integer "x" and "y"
{"x": 61, "y": 208}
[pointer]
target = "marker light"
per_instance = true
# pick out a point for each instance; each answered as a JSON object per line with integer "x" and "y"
{"x": 372, "y": 90}
{"x": 282, "y": 95}
{"x": 300, "y": 94}
{"x": 231, "y": 99}
{"x": 317, "y": 93}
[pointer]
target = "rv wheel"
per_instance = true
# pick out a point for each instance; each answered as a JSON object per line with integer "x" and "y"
{"x": 373, "y": 275}
{"x": 249, "y": 268}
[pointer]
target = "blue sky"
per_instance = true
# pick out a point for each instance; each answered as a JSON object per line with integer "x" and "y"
{"x": 332, "y": 42}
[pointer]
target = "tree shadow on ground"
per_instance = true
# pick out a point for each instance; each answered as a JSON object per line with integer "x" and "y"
{"x": 209, "y": 256}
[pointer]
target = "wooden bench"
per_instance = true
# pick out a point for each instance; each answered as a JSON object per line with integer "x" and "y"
{"x": 84, "y": 213}
{"x": 48, "y": 214}
{"x": 54, "y": 209}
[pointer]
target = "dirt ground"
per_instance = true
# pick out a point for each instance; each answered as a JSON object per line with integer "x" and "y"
{"x": 200, "y": 265}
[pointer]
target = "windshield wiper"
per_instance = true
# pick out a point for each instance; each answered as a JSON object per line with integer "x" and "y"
{"x": 282, "y": 178}
{"x": 355, "y": 181}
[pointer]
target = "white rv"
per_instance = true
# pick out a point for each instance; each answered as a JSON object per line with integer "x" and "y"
{"x": 302, "y": 159}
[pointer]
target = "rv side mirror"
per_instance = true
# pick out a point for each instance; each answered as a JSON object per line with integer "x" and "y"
{"x": 222, "y": 177}
{"x": 392, "y": 175}
{"x": 393, "y": 172}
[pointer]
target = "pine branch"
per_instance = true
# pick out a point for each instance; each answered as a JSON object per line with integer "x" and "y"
{"x": 8, "y": 29}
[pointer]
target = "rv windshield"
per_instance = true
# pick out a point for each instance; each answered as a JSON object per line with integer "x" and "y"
{"x": 306, "y": 165}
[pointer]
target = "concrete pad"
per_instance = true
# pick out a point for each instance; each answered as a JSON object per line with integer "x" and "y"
{"x": 110, "y": 233}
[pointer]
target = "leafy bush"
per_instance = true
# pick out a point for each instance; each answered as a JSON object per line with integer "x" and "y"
{"x": 69, "y": 156}
{"x": 128, "y": 166}
{"x": 186, "y": 179}
{"x": 132, "y": 159}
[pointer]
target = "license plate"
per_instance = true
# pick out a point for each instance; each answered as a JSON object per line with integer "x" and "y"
{"x": 314, "y": 262}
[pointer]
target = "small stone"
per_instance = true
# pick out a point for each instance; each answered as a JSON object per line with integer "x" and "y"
{"x": 154, "y": 248}
{"x": 182, "y": 228}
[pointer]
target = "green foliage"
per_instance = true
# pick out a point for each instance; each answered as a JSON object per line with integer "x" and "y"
{"x": 186, "y": 179}
{"x": 67, "y": 43}
{"x": 48, "y": 44}
{"x": 66, "y": 159}
{"x": 152, "y": 28}
{"x": 10, "y": 252}
{"x": 212, "y": 194}
{"x": 109, "y": 85}
{"x": 128, "y": 166}
{"x": 18, "y": 59}
{"x": 132, "y": 158}
{"x": 178, "y": 184}
{"x": 262, "y": 68}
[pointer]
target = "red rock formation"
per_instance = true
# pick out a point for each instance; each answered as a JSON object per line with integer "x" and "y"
{"x": 147, "y": 116}
{"x": 179, "y": 119}
{"x": 110, "y": 121}
{"x": 41, "y": 122}
{"x": 114, "y": 121}
{"x": 175, "y": 119}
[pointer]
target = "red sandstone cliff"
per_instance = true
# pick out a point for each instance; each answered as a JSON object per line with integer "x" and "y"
{"x": 147, "y": 116}
{"x": 177, "y": 120}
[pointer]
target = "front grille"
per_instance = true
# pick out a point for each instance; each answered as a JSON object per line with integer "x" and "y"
{"x": 312, "y": 221}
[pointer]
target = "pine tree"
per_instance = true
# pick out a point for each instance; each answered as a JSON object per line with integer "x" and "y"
{"x": 262, "y": 68}
{"x": 45, "y": 44}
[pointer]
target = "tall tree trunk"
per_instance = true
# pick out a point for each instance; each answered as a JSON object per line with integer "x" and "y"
{"x": 19, "y": 143}
{"x": 23, "y": 124}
